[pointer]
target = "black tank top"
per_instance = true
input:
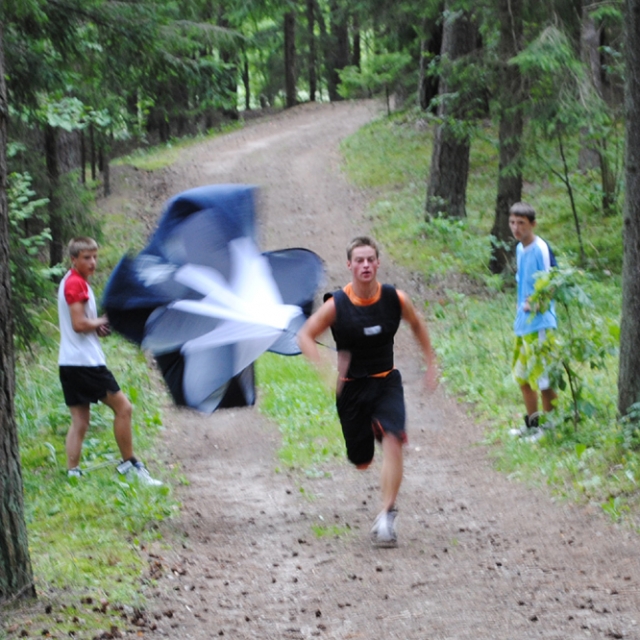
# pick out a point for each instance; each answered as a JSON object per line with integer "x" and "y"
{"x": 367, "y": 331}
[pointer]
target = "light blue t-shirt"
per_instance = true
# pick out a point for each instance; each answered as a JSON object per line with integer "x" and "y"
{"x": 531, "y": 259}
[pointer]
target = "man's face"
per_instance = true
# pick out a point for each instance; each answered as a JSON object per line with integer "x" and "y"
{"x": 521, "y": 228}
{"x": 363, "y": 264}
{"x": 85, "y": 263}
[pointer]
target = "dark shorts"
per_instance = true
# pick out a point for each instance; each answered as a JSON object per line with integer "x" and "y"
{"x": 84, "y": 385}
{"x": 368, "y": 409}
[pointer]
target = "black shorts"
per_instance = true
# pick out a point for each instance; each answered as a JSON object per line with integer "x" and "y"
{"x": 84, "y": 385}
{"x": 368, "y": 409}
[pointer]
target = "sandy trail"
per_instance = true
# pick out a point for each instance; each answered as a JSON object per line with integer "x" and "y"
{"x": 480, "y": 556}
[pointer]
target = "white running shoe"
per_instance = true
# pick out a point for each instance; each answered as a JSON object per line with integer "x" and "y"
{"x": 136, "y": 470}
{"x": 529, "y": 428}
{"x": 383, "y": 532}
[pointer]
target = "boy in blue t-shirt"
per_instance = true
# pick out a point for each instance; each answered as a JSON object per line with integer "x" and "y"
{"x": 532, "y": 328}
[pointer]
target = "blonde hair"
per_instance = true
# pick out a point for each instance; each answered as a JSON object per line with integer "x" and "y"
{"x": 362, "y": 241}
{"x": 80, "y": 244}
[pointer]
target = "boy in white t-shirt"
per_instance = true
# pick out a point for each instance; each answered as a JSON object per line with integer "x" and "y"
{"x": 83, "y": 372}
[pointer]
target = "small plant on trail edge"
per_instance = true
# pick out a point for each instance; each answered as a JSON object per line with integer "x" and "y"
{"x": 584, "y": 340}
{"x": 614, "y": 508}
{"x": 330, "y": 530}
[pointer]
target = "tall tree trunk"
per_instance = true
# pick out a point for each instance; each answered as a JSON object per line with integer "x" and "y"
{"x": 607, "y": 181}
{"x": 104, "y": 163}
{"x": 229, "y": 81}
{"x": 356, "y": 53}
{"x": 339, "y": 50}
{"x": 590, "y": 49}
{"x": 589, "y": 45}
{"x": 245, "y": 82}
{"x": 92, "y": 151}
{"x": 447, "y": 188}
{"x": 325, "y": 41}
{"x": 53, "y": 175}
{"x": 313, "y": 56}
{"x": 290, "y": 58}
{"x": 83, "y": 158}
{"x": 510, "y": 133}
{"x": 430, "y": 46}
{"x": 16, "y": 576}
{"x": 180, "y": 107}
{"x": 629, "y": 371}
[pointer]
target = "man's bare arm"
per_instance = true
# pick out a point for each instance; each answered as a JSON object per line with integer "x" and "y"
{"x": 421, "y": 334}
{"x": 311, "y": 330}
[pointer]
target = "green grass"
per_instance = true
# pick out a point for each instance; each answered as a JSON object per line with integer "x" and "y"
{"x": 330, "y": 531}
{"x": 471, "y": 312}
{"x": 398, "y": 157}
{"x": 85, "y": 534}
{"x": 292, "y": 395}
{"x": 392, "y": 157}
{"x": 126, "y": 233}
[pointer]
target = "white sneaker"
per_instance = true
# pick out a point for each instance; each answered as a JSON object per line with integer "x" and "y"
{"x": 136, "y": 470}
{"x": 529, "y": 430}
{"x": 76, "y": 472}
{"x": 546, "y": 425}
{"x": 383, "y": 532}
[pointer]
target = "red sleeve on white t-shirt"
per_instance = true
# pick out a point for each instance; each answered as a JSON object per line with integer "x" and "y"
{"x": 76, "y": 289}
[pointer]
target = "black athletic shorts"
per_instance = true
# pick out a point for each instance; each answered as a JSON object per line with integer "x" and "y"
{"x": 84, "y": 385}
{"x": 369, "y": 408}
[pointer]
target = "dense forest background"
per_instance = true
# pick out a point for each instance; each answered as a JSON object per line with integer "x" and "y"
{"x": 90, "y": 80}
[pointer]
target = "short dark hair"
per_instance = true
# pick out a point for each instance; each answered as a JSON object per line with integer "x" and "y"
{"x": 362, "y": 241}
{"x": 79, "y": 244}
{"x": 523, "y": 209}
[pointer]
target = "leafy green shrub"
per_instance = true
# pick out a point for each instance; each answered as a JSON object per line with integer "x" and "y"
{"x": 378, "y": 73}
{"x": 30, "y": 280}
{"x": 584, "y": 340}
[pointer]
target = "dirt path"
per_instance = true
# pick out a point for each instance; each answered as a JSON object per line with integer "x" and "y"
{"x": 479, "y": 556}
